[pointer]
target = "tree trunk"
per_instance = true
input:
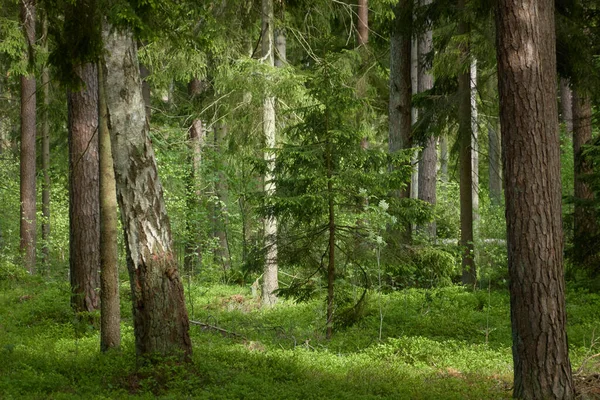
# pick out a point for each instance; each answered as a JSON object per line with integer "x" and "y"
{"x": 474, "y": 144}
{"x": 110, "y": 312}
{"x": 331, "y": 229}
{"x": 585, "y": 228}
{"x": 531, "y": 155}
{"x": 469, "y": 274}
{"x": 221, "y": 190}
{"x": 46, "y": 157}
{"x": 144, "y": 74}
{"x": 400, "y": 103}
{"x": 428, "y": 162}
{"x": 362, "y": 23}
{"x": 84, "y": 219}
{"x": 270, "y": 280}
{"x": 414, "y": 113}
{"x": 566, "y": 104}
{"x": 281, "y": 48}
{"x": 444, "y": 156}
{"x": 495, "y": 165}
{"x": 28, "y": 150}
{"x": 160, "y": 319}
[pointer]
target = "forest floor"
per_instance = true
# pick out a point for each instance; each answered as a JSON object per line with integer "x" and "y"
{"x": 444, "y": 343}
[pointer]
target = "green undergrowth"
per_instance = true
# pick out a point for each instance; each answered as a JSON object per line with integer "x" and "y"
{"x": 436, "y": 344}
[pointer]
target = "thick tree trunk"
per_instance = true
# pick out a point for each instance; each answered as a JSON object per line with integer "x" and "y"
{"x": 585, "y": 228}
{"x": 400, "y": 103}
{"x": 428, "y": 160}
{"x": 84, "y": 218}
{"x": 144, "y": 74}
{"x": 469, "y": 274}
{"x": 28, "y": 150}
{"x": 46, "y": 157}
{"x": 270, "y": 279}
{"x": 160, "y": 317}
{"x": 495, "y": 165}
{"x": 110, "y": 312}
{"x": 566, "y": 104}
{"x": 531, "y": 155}
{"x": 362, "y": 22}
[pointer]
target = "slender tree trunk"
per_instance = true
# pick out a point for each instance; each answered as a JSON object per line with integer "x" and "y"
{"x": 531, "y": 155}
{"x": 414, "y": 113}
{"x": 84, "y": 218}
{"x": 197, "y": 139}
{"x": 474, "y": 144}
{"x": 428, "y": 162}
{"x": 110, "y": 312}
{"x": 222, "y": 255}
{"x": 400, "y": 103}
{"x": 281, "y": 48}
{"x": 495, "y": 165}
{"x": 585, "y": 229}
{"x": 469, "y": 274}
{"x": 566, "y": 104}
{"x": 28, "y": 150}
{"x": 160, "y": 318}
{"x": 444, "y": 156}
{"x": 270, "y": 280}
{"x": 46, "y": 157}
{"x": 362, "y": 22}
{"x": 331, "y": 228}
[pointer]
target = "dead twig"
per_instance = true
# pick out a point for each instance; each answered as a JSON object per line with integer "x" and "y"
{"x": 222, "y": 331}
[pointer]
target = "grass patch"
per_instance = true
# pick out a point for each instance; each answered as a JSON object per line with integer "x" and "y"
{"x": 437, "y": 344}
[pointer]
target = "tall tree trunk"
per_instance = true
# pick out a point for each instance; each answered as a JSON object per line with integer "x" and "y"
{"x": 400, "y": 103}
{"x": 84, "y": 219}
{"x": 428, "y": 162}
{"x": 585, "y": 228}
{"x": 414, "y": 113}
{"x": 197, "y": 139}
{"x": 469, "y": 274}
{"x": 221, "y": 191}
{"x": 160, "y": 318}
{"x": 28, "y": 135}
{"x": 46, "y": 156}
{"x": 270, "y": 279}
{"x": 144, "y": 74}
{"x": 566, "y": 104}
{"x": 331, "y": 229}
{"x": 281, "y": 48}
{"x": 362, "y": 23}
{"x": 110, "y": 312}
{"x": 474, "y": 144}
{"x": 495, "y": 165}
{"x": 531, "y": 155}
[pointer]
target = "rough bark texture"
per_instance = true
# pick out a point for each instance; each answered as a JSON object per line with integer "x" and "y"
{"x": 495, "y": 165}
{"x": 531, "y": 156}
{"x": 46, "y": 157}
{"x": 160, "y": 317}
{"x": 400, "y": 102}
{"x": 566, "y": 104}
{"x": 144, "y": 73}
{"x": 28, "y": 150}
{"x": 110, "y": 312}
{"x": 428, "y": 160}
{"x": 585, "y": 228}
{"x": 469, "y": 274}
{"x": 84, "y": 218}
{"x": 270, "y": 280}
{"x": 362, "y": 22}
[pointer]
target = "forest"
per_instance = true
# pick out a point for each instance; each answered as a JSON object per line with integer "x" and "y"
{"x": 299, "y": 199}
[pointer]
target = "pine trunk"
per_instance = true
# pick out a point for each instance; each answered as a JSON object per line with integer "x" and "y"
{"x": 270, "y": 275}
{"x": 28, "y": 150}
{"x": 46, "y": 157}
{"x": 566, "y": 104}
{"x": 474, "y": 144}
{"x": 495, "y": 165}
{"x": 400, "y": 103}
{"x": 428, "y": 161}
{"x": 84, "y": 219}
{"x": 110, "y": 312}
{"x": 469, "y": 274}
{"x": 160, "y": 319}
{"x": 531, "y": 155}
{"x": 585, "y": 228}
{"x": 363, "y": 22}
